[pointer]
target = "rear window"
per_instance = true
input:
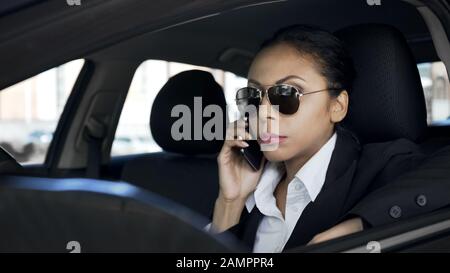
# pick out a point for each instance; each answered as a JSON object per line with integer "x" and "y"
{"x": 436, "y": 87}
{"x": 133, "y": 132}
{"x": 30, "y": 110}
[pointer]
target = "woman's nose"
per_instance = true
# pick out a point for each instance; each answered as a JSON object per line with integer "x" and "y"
{"x": 265, "y": 111}
{"x": 266, "y": 116}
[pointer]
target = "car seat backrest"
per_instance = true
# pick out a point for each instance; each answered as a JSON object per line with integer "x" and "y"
{"x": 387, "y": 99}
{"x": 186, "y": 171}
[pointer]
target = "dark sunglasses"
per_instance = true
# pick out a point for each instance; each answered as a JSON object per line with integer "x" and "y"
{"x": 285, "y": 96}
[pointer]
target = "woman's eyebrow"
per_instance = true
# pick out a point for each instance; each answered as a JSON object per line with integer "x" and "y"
{"x": 290, "y": 77}
{"x": 279, "y": 81}
{"x": 254, "y": 82}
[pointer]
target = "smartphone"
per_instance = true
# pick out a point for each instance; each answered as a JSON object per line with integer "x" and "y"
{"x": 252, "y": 153}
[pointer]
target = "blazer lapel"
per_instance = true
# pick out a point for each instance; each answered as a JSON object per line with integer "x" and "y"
{"x": 327, "y": 208}
{"x": 249, "y": 233}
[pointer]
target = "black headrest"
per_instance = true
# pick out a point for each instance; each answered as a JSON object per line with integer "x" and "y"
{"x": 181, "y": 90}
{"x": 387, "y": 101}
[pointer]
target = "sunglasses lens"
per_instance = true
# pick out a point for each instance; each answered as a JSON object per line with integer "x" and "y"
{"x": 285, "y": 97}
{"x": 247, "y": 99}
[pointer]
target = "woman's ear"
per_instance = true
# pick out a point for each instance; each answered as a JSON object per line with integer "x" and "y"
{"x": 339, "y": 107}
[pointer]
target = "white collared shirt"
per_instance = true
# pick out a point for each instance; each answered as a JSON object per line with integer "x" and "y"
{"x": 274, "y": 231}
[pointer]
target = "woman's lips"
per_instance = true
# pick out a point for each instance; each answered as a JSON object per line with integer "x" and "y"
{"x": 269, "y": 138}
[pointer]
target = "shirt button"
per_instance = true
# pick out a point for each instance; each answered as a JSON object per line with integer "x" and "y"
{"x": 395, "y": 212}
{"x": 421, "y": 200}
{"x": 298, "y": 187}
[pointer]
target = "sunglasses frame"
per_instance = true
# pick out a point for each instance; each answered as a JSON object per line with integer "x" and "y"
{"x": 264, "y": 92}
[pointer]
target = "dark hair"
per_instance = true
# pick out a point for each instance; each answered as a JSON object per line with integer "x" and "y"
{"x": 329, "y": 53}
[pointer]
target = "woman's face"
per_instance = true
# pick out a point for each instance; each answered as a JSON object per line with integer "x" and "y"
{"x": 302, "y": 133}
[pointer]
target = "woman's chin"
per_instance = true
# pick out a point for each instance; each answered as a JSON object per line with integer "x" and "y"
{"x": 276, "y": 155}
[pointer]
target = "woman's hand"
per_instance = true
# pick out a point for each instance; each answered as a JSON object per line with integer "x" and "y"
{"x": 347, "y": 227}
{"x": 237, "y": 180}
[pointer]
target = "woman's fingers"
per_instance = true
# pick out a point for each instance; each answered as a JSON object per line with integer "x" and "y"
{"x": 235, "y": 129}
{"x": 240, "y": 142}
{"x": 236, "y": 137}
{"x": 238, "y": 129}
{"x": 228, "y": 147}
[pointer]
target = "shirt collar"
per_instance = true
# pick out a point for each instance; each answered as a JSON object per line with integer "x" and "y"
{"x": 312, "y": 175}
{"x": 269, "y": 179}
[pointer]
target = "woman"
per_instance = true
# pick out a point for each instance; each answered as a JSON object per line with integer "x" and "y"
{"x": 301, "y": 81}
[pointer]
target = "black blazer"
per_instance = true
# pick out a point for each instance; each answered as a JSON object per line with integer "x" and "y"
{"x": 354, "y": 171}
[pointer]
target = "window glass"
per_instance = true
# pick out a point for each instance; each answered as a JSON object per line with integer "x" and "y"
{"x": 30, "y": 110}
{"x": 436, "y": 87}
